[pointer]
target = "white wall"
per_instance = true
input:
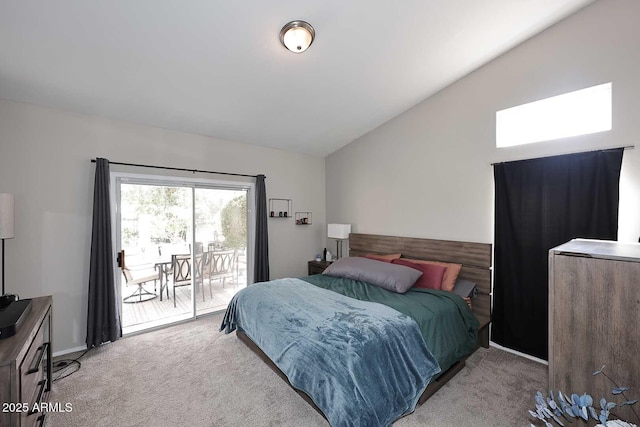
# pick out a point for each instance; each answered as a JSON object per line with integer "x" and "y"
{"x": 427, "y": 172}
{"x": 45, "y": 161}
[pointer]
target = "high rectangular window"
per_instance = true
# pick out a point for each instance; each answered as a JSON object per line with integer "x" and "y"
{"x": 581, "y": 112}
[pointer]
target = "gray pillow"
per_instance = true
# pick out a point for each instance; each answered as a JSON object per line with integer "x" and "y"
{"x": 465, "y": 288}
{"x": 392, "y": 277}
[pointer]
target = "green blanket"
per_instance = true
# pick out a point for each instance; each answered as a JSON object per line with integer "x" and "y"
{"x": 447, "y": 325}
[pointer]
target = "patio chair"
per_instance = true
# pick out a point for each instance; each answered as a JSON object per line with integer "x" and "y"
{"x": 140, "y": 292}
{"x": 222, "y": 265}
{"x": 181, "y": 267}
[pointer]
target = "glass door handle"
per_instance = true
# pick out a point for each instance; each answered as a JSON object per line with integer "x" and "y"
{"x": 120, "y": 258}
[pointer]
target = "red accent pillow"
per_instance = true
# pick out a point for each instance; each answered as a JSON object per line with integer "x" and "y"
{"x": 431, "y": 274}
{"x": 450, "y": 276}
{"x": 383, "y": 258}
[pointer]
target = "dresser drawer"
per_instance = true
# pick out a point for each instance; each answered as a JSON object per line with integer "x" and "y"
{"x": 32, "y": 368}
{"x": 317, "y": 267}
{"x": 32, "y": 420}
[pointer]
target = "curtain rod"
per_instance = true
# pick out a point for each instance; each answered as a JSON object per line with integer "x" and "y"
{"x": 177, "y": 169}
{"x": 629, "y": 147}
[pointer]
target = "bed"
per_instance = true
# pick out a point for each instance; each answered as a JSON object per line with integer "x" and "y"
{"x": 410, "y": 375}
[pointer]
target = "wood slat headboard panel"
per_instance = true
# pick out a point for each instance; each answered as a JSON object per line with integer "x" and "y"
{"x": 465, "y": 253}
{"x": 475, "y": 259}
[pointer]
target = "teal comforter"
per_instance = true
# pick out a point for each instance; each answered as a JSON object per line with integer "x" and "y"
{"x": 448, "y": 326}
{"x": 363, "y": 364}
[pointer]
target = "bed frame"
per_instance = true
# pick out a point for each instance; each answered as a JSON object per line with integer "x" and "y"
{"x": 476, "y": 267}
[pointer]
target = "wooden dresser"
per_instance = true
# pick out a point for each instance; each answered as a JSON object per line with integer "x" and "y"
{"x": 25, "y": 368}
{"x": 594, "y": 319}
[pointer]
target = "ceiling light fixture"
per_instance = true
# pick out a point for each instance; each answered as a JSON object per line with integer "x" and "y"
{"x": 297, "y": 36}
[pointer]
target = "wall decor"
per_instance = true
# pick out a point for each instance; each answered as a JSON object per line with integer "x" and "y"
{"x": 280, "y": 208}
{"x": 303, "y": 218}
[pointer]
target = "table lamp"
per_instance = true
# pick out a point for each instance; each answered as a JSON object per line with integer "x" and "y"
{"x": 339, "y": 232}
{"x": 6, "y": 224}
{"x": 12, "y": 312}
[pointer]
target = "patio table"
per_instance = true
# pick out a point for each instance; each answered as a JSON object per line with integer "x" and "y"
{"x": 164, "y": 267}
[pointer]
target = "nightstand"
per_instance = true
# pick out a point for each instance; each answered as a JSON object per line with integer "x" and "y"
{"x": 317, "y": 267}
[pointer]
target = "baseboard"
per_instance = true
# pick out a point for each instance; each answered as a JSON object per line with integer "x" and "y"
{"x": 526, "y": 356}
{"x": 69, "y": 350}
{"x": 155, "y": 328}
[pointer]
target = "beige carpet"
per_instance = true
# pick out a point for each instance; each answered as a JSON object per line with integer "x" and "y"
{"x": 192, "y": 375}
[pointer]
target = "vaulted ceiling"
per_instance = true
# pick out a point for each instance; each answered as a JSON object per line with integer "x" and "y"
{"x": 217, "y": 68}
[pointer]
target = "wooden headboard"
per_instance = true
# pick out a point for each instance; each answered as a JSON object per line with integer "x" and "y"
{"x": 474, "y": 257}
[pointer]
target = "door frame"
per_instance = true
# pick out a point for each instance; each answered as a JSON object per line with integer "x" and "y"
{"x": 117, "y": 178}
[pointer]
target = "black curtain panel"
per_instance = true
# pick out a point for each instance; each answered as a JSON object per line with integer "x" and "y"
{"x": 103, "y": 318}
{"x": 540, "y": 204}
{"x": 261, "y": 264}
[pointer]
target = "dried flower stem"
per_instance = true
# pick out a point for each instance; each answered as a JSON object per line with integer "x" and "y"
{"x": 622, "y": 393}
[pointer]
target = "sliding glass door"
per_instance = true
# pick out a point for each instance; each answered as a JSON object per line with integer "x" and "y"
{"x": 221, "y": 236}
{"x": 182, "y": 247}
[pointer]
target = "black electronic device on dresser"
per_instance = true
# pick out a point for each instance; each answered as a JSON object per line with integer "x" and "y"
{"x": 12, "y": 314}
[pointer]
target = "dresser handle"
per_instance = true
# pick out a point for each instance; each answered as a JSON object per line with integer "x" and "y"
{"x": 42, "y": 349}
{"x": 43, "y": 386}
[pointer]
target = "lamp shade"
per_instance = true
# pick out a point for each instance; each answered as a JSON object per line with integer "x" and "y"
{"x": 6, "y": 216}
{"x": 338, "y": 231}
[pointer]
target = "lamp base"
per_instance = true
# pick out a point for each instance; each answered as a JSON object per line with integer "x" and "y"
{"x": 339, "y": 248}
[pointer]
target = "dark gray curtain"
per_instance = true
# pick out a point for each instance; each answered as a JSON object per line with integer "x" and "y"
{"x": 103, "y": 319}
{"x": 540, "y": 204}
{"x": 261, "y": 265}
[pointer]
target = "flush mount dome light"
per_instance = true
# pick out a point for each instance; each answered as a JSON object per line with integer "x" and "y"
{"x": 297, "y": 36}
